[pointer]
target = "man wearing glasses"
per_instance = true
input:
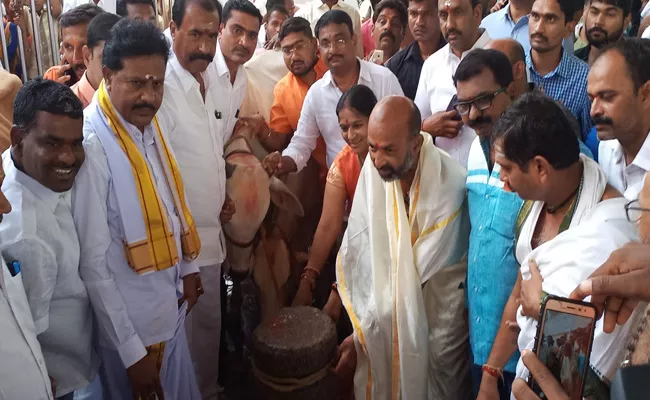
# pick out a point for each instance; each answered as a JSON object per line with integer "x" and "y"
{"x": 318, "y": 116}
{"x": 486, "y": 88}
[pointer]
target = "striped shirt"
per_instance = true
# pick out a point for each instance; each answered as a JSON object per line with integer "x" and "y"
{"x": 567, "y": 83}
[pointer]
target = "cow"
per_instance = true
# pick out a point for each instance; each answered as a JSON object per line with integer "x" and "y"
{"x": 253, "y": 247}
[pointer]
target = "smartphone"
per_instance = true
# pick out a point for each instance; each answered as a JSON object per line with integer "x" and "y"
{"x": 452, "y": 106}
{"x": 565, "y": 333}
{"x": 377, "y": 57}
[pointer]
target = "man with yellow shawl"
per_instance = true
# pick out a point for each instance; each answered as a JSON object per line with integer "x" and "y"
{"x": 402, "y": 266}
{"x": 138, "y": 239}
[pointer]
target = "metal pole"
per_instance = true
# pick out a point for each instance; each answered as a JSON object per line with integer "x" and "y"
{"x": 5, "y": 54}
{"x": 21, "y": 48}
{"x": 37, "y": 39}
{"x": 155, "y": 10}
{"x": 164, "y": 14}
{"x": 54, "y": 42}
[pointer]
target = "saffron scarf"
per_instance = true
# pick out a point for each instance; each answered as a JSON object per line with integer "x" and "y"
{"x": 158, "y": 250}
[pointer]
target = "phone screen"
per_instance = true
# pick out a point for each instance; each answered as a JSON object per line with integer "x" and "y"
{"x": 564, "y": 350}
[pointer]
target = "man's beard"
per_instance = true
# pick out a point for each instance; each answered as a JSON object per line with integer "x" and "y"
{"x": 309, "y": 68}
{"x": 400, "y": 171}
{"x": 607, "y": 38}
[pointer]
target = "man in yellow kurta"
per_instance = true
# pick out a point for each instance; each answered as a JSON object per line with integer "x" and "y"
{"x": 402, "y": 265}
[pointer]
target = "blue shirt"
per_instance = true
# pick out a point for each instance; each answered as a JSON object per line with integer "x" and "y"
{"x": 492, "y": 267}
{"x": 500, "y": 25}
{"x": 567, "y": 83}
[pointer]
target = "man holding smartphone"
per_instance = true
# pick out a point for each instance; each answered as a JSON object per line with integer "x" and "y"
{"x": 570, "y": 222}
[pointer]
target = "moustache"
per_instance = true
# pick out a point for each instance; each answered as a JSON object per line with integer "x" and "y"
{"x": 387, "y": 34}
{"x": 599, "y": 120}
{"x": 478, "y": 121}
{"x": 144, "y": 106}
{"x": 454, "y": 32}
{"x": 201, "y": 56}
{"x": 241, "y": 49}
{"x": 538, "y": 36}
{"x": 597, "y": 29}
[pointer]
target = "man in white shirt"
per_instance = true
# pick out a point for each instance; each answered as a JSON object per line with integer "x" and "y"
{"x": 41, "y": 166}
{"x": 23, "y": 374}
{"x": 318, "y": 116}
{"x": 138, "y": 239}
{"x": 314, "y": 10}
{"x": 191, "y": 98}
{"x": 240, "y": 25}
{"x": 459, "y": 23}
{"x": 619, "y": 86}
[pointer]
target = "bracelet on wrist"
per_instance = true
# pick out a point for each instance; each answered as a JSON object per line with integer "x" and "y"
{"x": 493, "y": 371}
{"x": 312, "y": 282}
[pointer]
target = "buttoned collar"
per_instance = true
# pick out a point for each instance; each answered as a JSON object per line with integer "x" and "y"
{"x": 642, "y": 159}
{"x": 187, "y": 80}
{"x": 505, "y": 15}
{"x": 413, "y": 52}
{"x": 481, "y": 42}
{"x": 364, "y": 75}
{"x": 49, "y": 197}
{"x": 222, "y": 68}
{"x": 562, "y": 69}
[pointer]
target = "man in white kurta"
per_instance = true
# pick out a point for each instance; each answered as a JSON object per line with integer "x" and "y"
{"x": 192, "y": 97}
{"x": 40, "y": 233}
{"x": 569, "y": 224}
{"x": 23, "y": 374}
{"x": 402, "y": 264}
{"x": 142, "y": 342}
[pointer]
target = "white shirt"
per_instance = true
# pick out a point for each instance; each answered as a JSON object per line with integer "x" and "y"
{"x": 107, "y": 5}
{"x": 315, "y": 9}
{"x": 435, "y": 91}
{"x": 627, "y": 179}
{"x": 23, "y": 374}
{"x": 318, "y": 115}
{"x": 133, "y": 311}
{"x": 195, "y": 136}
{"x": 229, "y": 102}
{"x": 40, "y": 234}
{"x": 646, "y": 34}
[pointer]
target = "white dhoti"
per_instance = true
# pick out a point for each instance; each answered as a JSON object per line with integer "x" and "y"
{"x": 597, "y": 229}
{"x": 176, "y": 375}
{"x": 401, "y": 280}
{"x": 203, "y": 326}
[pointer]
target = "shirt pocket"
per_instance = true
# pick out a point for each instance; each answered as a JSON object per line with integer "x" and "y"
{"x": 504, "y": 217}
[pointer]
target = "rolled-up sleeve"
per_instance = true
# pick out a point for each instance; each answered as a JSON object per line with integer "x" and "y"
{"x": 90, "y": 212}
{"x": 304, "y": 140}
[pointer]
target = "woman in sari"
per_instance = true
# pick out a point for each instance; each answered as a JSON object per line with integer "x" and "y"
{"x": 353, "y": 111}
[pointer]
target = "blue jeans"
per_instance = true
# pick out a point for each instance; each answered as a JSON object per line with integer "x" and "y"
{"x": 505, "y": 386}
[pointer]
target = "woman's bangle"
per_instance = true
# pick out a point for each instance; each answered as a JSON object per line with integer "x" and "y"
{"x": 314, "y": 270}
{"x": 312, "y": 282}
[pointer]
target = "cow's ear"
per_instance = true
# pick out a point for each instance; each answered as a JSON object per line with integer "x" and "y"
{"x": 282, "y": 197}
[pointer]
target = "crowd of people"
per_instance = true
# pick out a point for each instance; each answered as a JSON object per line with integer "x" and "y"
{"x": 473, "y": 157}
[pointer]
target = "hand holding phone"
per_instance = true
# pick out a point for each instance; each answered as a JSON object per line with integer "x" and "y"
{"x": 377, "y": 57}
{"x": 563, "y": 343}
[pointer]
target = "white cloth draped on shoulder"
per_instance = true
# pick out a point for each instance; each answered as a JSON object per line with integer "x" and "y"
{"x": 597, "y": 229}
{"x": 401, "y": 277}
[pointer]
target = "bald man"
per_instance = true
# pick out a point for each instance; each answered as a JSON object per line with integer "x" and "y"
{"x": 406, "y": 303}
{"x": 517, "y": 57}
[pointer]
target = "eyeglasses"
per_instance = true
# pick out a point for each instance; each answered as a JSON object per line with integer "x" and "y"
{"x": 338, "y": 44}
{"x": 288, "y": 51}
{"x": 482, "y": 102}
{"x": 633, "y": 212}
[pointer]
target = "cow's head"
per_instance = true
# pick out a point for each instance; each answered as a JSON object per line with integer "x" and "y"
{"x": 251, "y": 190}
